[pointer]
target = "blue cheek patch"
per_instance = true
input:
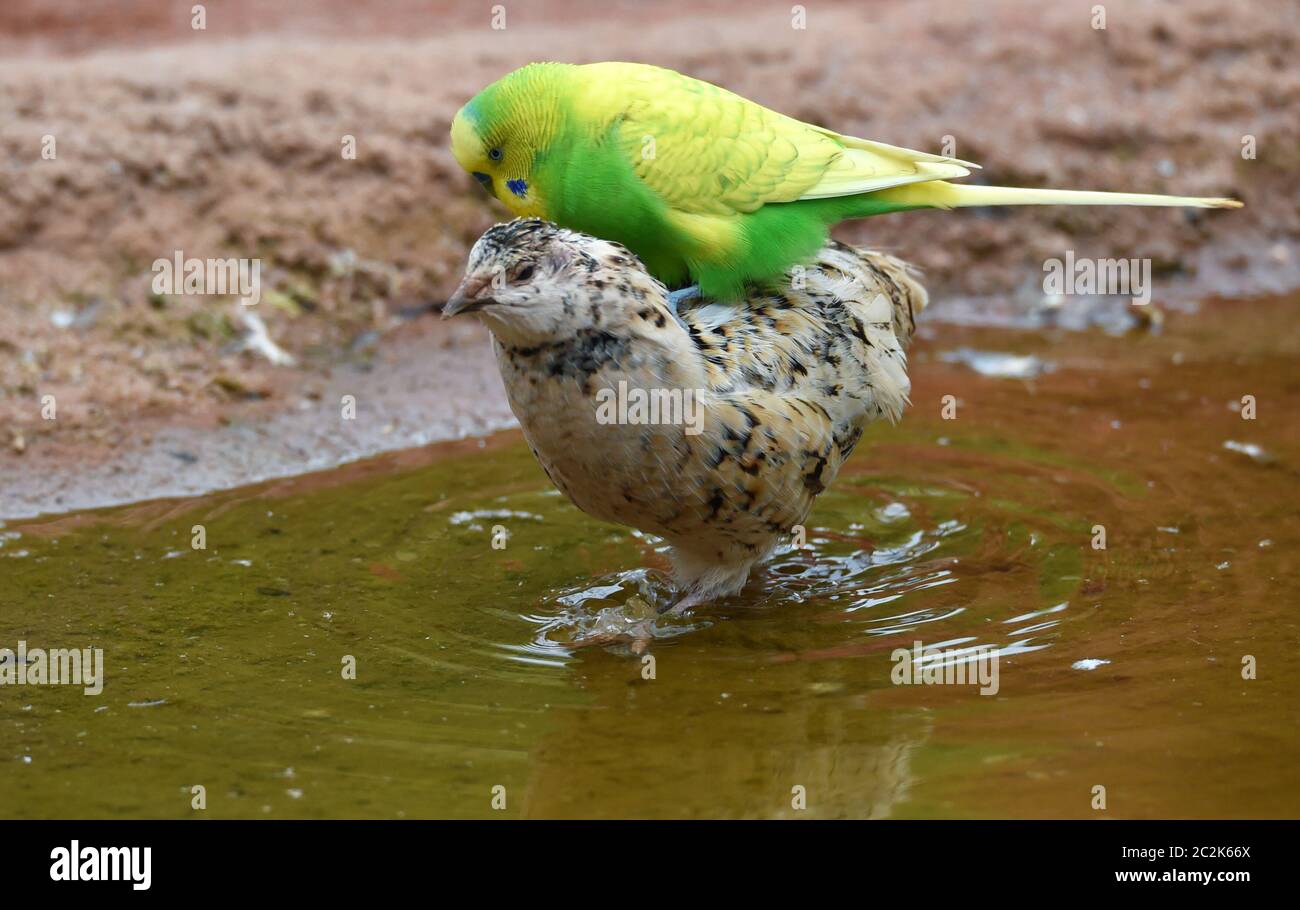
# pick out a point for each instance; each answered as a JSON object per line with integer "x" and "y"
{"x": 518, "y": 187}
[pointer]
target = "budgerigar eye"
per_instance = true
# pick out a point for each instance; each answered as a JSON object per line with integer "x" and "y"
{"x": 495, "y": 154}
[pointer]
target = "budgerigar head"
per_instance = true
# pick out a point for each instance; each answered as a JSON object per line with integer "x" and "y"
{"x": 532, "y": 282}
{"x": 507, "y": 129}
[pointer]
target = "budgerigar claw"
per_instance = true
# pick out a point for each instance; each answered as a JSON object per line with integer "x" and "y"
{"x": 677, "y": 298}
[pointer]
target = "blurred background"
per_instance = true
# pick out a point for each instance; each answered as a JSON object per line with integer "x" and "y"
{"x": 226, "y": 140}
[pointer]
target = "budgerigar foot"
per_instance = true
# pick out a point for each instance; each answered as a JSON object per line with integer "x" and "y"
{"x": 677, "y": 298}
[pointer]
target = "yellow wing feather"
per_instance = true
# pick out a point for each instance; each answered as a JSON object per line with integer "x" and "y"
{"x": 706, "y": 151}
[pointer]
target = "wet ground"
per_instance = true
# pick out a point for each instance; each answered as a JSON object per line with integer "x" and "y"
{"x": 225, "y": 141}
{"x": 1118, "y": 668}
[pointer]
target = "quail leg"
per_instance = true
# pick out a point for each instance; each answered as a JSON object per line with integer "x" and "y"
{"x": 691, "y": 600}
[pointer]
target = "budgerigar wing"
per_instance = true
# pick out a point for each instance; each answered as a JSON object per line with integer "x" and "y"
{"x": 707, "y": 151}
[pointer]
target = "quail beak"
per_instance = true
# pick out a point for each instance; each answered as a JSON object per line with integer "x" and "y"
{"x": 470, "y": 296}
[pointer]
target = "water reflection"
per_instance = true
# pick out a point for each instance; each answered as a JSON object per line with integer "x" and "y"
{"x": 223, "y": 665}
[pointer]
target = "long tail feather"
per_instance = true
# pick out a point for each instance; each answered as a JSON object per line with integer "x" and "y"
{"x": 942, "y": 195}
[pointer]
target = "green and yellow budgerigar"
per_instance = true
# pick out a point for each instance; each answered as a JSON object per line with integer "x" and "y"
{"x": 703, "y": 185}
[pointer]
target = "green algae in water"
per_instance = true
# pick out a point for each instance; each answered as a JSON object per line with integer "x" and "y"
{"x": 225, "y": 666}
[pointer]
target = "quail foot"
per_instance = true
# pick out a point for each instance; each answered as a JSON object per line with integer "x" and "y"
{"x": 715, "y": 433}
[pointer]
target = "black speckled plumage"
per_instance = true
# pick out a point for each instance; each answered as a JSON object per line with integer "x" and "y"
{"x": 787, "y": 380}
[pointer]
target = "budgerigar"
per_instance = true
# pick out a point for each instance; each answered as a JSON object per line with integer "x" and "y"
{"x": 784, "y": 380}
{"x": 703, "y": 185}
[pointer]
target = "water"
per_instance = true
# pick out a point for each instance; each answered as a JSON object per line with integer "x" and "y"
{"x": 1119, "y": 668}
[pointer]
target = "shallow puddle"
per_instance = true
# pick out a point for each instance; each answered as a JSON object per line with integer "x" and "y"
{"x": 1119, "y": 668}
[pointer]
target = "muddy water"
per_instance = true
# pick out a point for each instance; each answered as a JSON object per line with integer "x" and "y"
{"x": 1118, "y": 668}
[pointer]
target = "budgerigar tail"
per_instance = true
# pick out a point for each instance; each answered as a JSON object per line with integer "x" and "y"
{"x": 942, "y": 195}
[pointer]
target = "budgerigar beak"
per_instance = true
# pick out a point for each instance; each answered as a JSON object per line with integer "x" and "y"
{"x": 469, "y": 296}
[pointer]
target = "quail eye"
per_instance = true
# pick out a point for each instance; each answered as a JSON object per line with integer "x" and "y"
{"x": 524, "y": 273}
{"x": 495, "y": 154}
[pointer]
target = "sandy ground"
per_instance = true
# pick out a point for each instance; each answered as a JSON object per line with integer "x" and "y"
{"x": 226, "y": 142}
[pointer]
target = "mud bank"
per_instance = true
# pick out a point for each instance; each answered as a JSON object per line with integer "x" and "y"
{"x": 414, "y": 392}
{"x": 226, "y": 142}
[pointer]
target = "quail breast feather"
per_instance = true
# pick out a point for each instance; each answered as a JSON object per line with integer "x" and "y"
{"x": 716, "y": 433}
